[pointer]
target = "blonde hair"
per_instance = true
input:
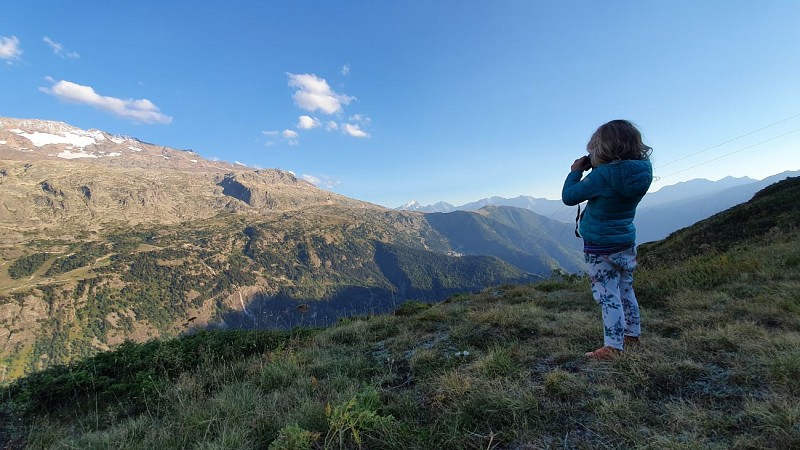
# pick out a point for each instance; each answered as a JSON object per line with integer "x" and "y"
{"x": 617, "y": 140}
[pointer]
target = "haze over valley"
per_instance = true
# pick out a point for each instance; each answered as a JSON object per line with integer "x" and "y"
{"x": 660, "y": 213}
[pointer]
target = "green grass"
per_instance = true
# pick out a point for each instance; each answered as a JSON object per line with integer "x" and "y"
{"x": 502, "y": 368}
{"x": 718, "y": 367}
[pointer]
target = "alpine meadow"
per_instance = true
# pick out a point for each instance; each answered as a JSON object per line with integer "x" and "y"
{"x": 154, "y": 299}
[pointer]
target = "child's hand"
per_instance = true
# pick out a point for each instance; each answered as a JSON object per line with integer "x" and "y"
{"x": 583, "y": 163}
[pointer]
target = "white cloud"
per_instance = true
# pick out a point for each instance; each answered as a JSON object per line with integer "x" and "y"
{"x": 291, "y": 136}
{"x": 312, "y": 179}
{"x": 323, "y": 180}
{"x": 138, "y": 110}
{"x": 9, "y": 48}
{"x": 271, "y": 135}
{"x": 354, "y": 130}
{"x": 59, "y": 50}
{"x": 314, "y": 93}
{"x": 307, "y": 122}
{"x": 360, "y": 118}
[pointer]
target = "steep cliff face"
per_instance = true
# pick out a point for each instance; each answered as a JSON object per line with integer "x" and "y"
{"x": 276, "y": 190}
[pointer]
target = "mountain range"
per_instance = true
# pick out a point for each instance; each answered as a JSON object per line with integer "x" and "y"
{"x": 541, "y": 206}
{"x": 106, "y": 238}
{"x": 659, "y": 214}
{"x": 717, "y": 365}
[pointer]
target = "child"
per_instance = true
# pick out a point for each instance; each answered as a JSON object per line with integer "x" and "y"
{"x": 620, "y": 175}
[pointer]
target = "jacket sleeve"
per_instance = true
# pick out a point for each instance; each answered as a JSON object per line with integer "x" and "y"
{"x": 576, "y": 190}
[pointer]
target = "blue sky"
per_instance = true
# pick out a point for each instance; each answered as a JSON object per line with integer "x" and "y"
{"x": 429, "y": 100}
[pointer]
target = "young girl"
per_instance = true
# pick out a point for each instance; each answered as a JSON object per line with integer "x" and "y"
{"x": 620, "y": 175}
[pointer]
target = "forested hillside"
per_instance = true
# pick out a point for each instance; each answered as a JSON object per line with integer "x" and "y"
{"x": 63, "y": 299}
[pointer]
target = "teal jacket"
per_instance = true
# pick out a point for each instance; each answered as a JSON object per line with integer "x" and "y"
{"x": 613, "y": 191}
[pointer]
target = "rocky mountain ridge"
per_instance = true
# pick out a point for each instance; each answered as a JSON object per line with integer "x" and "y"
{"x": 36, "y": 140}
{"x": 54, "y": 176}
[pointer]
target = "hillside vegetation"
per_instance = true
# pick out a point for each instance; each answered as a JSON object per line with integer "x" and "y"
{"x": 106, "y": 238}
{"x": 718, "y": 367}
{"x": 523, "y": 238}
{"x": 68, "y": 299}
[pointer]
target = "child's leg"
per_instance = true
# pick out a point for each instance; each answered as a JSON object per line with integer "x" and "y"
{"x": 626, "y": 261}
{"x": 605, "y": 290}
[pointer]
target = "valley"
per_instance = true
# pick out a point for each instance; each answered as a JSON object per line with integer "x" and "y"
{"x": 133, "y": 241}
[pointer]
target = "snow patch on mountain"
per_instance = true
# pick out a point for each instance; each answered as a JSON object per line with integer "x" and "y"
{"x": 413, "y": 205}
{"x": 66, "y": 154}
{"x": 39, "y": 139}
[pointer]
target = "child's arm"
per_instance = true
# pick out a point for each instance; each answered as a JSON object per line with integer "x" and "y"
{"x": 576, "y": 190}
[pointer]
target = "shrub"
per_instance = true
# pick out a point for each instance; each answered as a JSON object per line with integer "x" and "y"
{"x": 411, "y": 307}
{"x": 359, "y": 416}
{"x": 292, "y": 437}
{"x": 132, "y": 372}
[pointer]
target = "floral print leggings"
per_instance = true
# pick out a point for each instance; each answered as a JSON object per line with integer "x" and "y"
{"x": 612, "y": 289}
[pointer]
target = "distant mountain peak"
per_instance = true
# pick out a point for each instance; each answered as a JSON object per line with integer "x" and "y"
{"x": 34, "y": 139}
{"x": 414, "y": 205}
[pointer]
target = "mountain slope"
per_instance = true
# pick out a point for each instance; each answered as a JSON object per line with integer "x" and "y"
{"x": 523, "y": 238}
{"x": 659, "y": 214}
{"x": 106, "y": 238}
{"x": 688, "y": 190}
{"x": 718, "y": 366}
{"x": 771, "y": 212}
{"x": 553, "y": 209}
{"x": 63, "y": 299}
{"x": 122, "y": 181}
{"x": 684, "y": 204}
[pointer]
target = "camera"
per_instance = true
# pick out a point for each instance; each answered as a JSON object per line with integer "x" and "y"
{"x": 586, "y": 162}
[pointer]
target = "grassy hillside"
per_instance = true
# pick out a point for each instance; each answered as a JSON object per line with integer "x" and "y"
{"x": 718, "y": 367}
{"x": 67, "y": 297}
